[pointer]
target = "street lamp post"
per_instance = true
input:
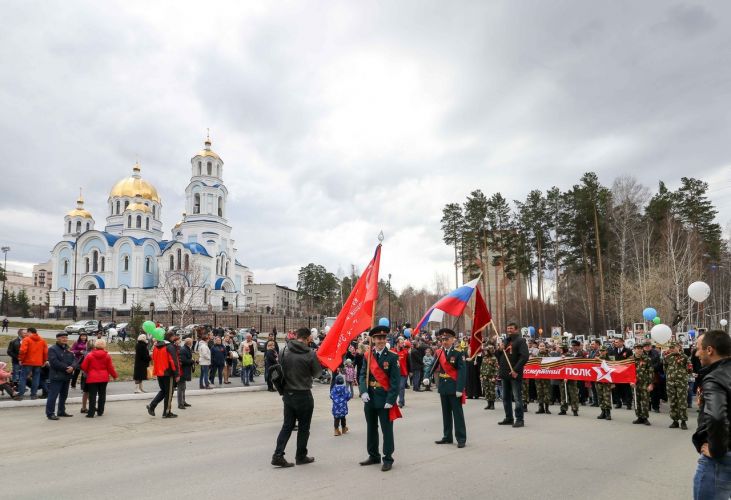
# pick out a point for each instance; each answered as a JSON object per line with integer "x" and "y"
{"x": 389, "y": 300}
{"x": 76, "y": 245}
{"x": 5, "y": 250}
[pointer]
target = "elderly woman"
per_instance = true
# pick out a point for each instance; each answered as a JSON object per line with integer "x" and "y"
{"x": 218, "y": 360}
{"x": 98, "y": 367}
{"x": 142, "y": 361}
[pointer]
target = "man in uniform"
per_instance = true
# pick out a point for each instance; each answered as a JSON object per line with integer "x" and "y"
{"x": 569, "y": 388}
{"x": 488, "y": 374}
{"x": 604, "y": 391}
{"x": 450, "y": 365}
{"x": 379, "y": 388}
{"x": 676, "y": 383}
{"x": 543, "y": 386}
{"x": 643, "y": 386}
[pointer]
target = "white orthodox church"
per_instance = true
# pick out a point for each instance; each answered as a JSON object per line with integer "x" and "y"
{"x": 130, "y": 261}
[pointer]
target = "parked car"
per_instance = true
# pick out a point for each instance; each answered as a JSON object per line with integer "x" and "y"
{"x": 84, "y": 326}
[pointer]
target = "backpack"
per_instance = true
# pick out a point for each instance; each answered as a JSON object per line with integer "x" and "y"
{"x": 276, "y": 374}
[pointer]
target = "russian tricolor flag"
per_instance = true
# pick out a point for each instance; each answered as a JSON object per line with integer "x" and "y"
{"x": 453, "y": 304}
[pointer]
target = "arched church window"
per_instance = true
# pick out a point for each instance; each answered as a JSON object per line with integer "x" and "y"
{"x": 210, "y": 168}
{"x": 69, "y": 231}
{"x": 95, "y": 261}
{"x": 205, "y": 295}
{"x": 129, "y": 221}
{"x": 175, "y": 295}
{"x": 126, "y": 204}
{"x": 220, "y": 206}
{"x": 148, "y": 264}
{"x": 63, "y": 299}
{"x": 218, "y": 170}
{"x": 138, "y": 223}
{"x": 180, "y": 256}
{"x": 78, "y": 226}
{"x": 187, "y": 263}
{"x": 102, "y": 265}
{"x": 226, "y": 269}
{"x": 196, "y": 203}
{"x": 172, "y": 263}
{"x": 217, "y": 266}
{"x": 65, "y": 267}
{"x": 87, "y": 264}
{"x": 182, "y": 294}
{"x": 117, "y": 207}
{"x": 147, "y": 223}
{"x": 154, "y": 213}
{"x": 88, "y": 226}
{"x": 200, "y": 168}
{"x": 126, "y": 262}
{"x": 124, "y": 295}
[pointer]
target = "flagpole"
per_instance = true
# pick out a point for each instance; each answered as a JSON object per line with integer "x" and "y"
{"x": 373, "y": 324}
{"x": 505, "y": 353}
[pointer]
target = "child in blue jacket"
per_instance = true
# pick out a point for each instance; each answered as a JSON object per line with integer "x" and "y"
{"x": 340, "y": 394}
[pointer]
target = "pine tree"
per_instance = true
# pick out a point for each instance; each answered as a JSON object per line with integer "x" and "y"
{"x": 453, "y": 229}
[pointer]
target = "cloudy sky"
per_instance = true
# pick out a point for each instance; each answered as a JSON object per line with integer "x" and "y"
{"x": 340, "y": 119}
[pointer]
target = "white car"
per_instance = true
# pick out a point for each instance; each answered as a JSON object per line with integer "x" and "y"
{"x": 84, "y": 326}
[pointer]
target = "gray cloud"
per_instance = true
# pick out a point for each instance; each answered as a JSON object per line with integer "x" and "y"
{"x": 339, "y": 119}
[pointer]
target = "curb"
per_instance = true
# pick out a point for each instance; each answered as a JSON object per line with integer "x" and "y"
{"x": 131, "y": 397}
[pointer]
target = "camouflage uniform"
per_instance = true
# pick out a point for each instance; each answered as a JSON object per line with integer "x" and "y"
{"x": 676, "y": 376}
{"x": 526, "y": 393}
{"x": 604, "y": 392}
{"x": 645, "y": 373}
{"x": 488, "y": 372}
{"x": 573, "y": 388}
{"x": 543, "y": 388}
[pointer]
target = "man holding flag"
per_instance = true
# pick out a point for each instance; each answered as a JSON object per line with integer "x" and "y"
{"x": 379, "y": 387}
{"x": 452, "y": 370}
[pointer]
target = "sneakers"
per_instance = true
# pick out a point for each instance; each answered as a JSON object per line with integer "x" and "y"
{"x": 279, "y": 461}
{"x": 304, "y": 460}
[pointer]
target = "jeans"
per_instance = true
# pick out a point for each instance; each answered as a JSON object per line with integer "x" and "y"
{"x": 203, "y": 380}
{"x": 298, "y": 407}
{"x": 513, "y": 391}
{"x": 97, "y": 397}
{"x": 36, "y": 374}
{"x": 402, "y": 390}
{"x": 416, "y": 379}
{"x": 712, "y": 479}
{"x": 57, "y": 390}
{"x": 217, "y": 369}
{"x": 16, "y": 371}
{"x": 246, "y": 372}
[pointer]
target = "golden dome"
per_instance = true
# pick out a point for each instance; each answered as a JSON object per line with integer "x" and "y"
{"x": 135, "y": 185}
{"x": 207, "y": 151}
{"x": 80, "y": 211}
{"x": 180, "y": 222}
{"x": 137, "y": 206}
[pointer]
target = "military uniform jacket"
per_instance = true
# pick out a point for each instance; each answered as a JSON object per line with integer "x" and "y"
{"x": 388, "y": 361}
{"x": 488, "y": 370}
{"x": 455, "y": 358}
{"x": 676, "y": 368}
{"x": 643, "y": 367}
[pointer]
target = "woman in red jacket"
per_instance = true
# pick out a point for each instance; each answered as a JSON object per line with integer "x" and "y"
{"x": 98, "y": 367}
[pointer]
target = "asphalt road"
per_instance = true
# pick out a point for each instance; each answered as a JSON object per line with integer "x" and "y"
{"x": 222, "y": 445}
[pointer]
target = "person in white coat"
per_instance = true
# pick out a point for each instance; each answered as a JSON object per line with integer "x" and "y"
{"x": 204, "y": 360}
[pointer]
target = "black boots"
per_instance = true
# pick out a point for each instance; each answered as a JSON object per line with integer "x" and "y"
{"x": 683, "y": 425}
{"x": 279, "y": 461}
{"x": 609, "y": 415}
{"x": 603, "y": 415}
{"x": 674, "y": 425}
{"x": 540, "y": 409}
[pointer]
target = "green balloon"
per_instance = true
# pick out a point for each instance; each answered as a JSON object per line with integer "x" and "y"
{"x": 657, "y": 320}
{"x": 149, "y": 327}
{"x": 158, "y": 334}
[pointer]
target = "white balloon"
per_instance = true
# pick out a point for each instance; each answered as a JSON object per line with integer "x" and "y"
{"x": 426, "y": 381}
{"x": 724, "y": 322}
{"x": 661, "y": 333}
{"x": 699, "y": 291}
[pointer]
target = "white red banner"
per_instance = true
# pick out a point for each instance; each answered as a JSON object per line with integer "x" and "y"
{"x": 589, "y": 370}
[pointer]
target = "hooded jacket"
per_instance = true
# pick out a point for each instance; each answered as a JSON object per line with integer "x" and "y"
{"x": 300, "y": 366}
{"x": 98, "y": 367}
{"x": 714, "y": 418}
{"x": 33, "y": 350}
{"x": 165, "y": 360}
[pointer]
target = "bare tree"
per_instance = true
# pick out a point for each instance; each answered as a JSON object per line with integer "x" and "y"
{"x": 182, "y": 288}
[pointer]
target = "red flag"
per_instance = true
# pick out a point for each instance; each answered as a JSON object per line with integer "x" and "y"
{"x": 355, "y": 317}
{"x": 481, "y": 320}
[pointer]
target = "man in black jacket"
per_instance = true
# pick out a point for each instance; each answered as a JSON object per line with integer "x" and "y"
{"x": 621, "y": 392}
{"x": 61, "y": 364}
{"x": 186, "y": 368}
{"x": 14, "y": 352}
{"x": 416, "y": 360}
{"x": 512, "y": 357}
{"x": 712, "y": 438}
{"x": 300, "y": 366}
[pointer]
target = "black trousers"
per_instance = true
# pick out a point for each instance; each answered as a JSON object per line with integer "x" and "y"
{"x": 164, "y": 394}
{"x": 298, "y": 407}
{"x": 452, "y": 412}
{"x": 622, "y": 395}
{"x": 97, "y": 397}
{"x": 375, "y": 416}
{"x": 339, "y": 422}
